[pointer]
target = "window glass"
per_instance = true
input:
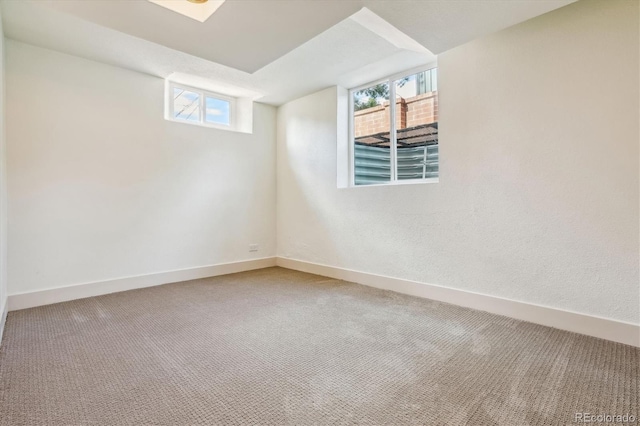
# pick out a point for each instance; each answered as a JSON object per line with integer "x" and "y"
{"x": 186, "y": 105}
{"x": 372, "y": 146}
{"x": 217, "y": 111}
{"x": 416, "y": 126}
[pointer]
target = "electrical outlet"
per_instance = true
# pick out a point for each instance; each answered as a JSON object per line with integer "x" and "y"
{"x": 253, "y": 247}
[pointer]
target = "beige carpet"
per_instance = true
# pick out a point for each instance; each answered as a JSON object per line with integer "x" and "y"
{"x": 280, "y": 347}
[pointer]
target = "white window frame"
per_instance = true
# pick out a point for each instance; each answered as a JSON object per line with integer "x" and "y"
{"x": 203, "y": 94}
{"x": 393, "y": 180}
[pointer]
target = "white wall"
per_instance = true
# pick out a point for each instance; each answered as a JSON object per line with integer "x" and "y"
{"x": 3, "y": 184}
{"x": 538, "y": 194}
{"x": 102, "y": 187}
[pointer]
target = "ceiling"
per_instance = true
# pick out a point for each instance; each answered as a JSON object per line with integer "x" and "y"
{"x": 270, "y": 50}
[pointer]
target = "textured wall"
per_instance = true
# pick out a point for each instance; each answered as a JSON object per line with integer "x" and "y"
{"x": 538, "y": 193}
{"x": 3, "y": 180}
{"x": 101, "y": 186}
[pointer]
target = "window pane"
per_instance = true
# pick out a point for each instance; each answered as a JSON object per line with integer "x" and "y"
{"x": 371, "y": 132}
{"x": 218, "y": 111}
{"x": 186, "y": 105}
{"x": 417, "y": 126}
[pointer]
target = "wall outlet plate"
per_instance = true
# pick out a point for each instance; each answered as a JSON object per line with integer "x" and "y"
{"x": 253, "y": 247}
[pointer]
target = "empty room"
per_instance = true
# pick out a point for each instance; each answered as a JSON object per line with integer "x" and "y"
{"x": 211, "y": 213}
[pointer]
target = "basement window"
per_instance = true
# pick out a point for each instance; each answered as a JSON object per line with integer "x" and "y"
{"x": 396, "y": 144}
{"x": 195, "y": 106}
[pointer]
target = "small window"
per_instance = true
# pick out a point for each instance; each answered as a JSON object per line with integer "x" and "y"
{"x": 396, "y": 144}
{"x": 190, "y": 105}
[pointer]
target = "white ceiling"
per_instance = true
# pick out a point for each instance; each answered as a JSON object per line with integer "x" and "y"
{"x": 200, "y": 10}
{"x": 271, "y": 50}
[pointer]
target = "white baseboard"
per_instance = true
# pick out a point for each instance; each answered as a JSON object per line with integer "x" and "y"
{"x": 80, "y": 291}
{"x": 4, "y": 310}
{"x": 603, "y": 328}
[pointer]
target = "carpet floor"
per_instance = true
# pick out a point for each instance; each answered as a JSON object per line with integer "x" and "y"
{"x": 278, "y": 347}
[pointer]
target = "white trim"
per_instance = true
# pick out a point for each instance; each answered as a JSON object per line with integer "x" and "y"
{"x": 3, "y": 318}
{"x": 398, "y": 182}
{"x": 344, "y": 121}
{"x": 397, "y": 76}
{"x": 80, "y": 291}
{"x": 603, "y": 328}
{"x": 350, "y": 140}
{"x": 393, "y": 133}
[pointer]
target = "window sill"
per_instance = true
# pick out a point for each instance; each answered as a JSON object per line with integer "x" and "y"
{"x": 397, "y": 183}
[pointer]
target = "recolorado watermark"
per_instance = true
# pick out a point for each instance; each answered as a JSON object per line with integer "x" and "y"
{"x": 604, "y": 418}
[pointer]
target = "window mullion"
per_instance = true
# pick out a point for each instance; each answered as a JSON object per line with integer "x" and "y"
{"x": 202, "y": 104}
{"x": 352, "y": 139}
{"x": 170, "y": 100}
{"x": 392, "y": 131}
